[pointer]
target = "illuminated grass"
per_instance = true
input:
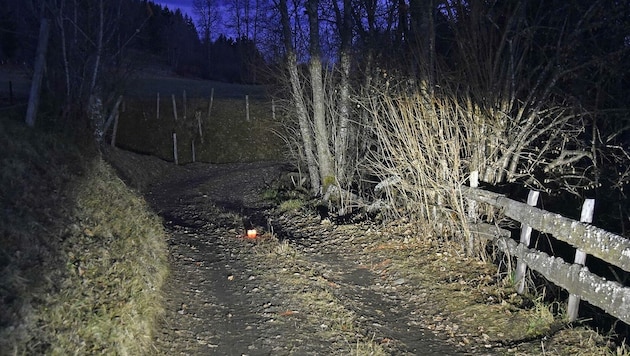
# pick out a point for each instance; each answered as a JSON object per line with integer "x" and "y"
{"x": 82, "y": 261}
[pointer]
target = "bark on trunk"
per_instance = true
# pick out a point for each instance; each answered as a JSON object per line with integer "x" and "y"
{"x": 298, "y": 100}
{"x": 324, "y": 155}
{"x": 341, "y": 143}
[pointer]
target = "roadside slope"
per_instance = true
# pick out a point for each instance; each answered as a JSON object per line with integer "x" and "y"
{"x": 82, "y": 259}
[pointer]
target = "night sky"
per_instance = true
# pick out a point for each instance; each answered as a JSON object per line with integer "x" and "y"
{"x": 187, "y": 8}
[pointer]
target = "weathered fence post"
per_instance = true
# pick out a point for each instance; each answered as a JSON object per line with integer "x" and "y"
{"x": 175, "y": 148}
{"x": 185, "y": 106}
{"x": 157, "y": 109}
{"x": 247, "y": 107}
{"x": 580, "y": 258}
{"x": 273, "y": 110}
{"x": 192, "y": 144}
{"x": 198, "y": 117}
{"x": 526, "y": 233}
{"x": 174, "y": 106}
{"x": 115, "y": 130}
{"x": 210, "y": 103}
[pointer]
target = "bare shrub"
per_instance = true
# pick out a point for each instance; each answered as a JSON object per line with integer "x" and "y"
{"x": 419, "y": 148}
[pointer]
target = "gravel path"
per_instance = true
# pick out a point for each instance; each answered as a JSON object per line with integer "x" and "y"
{"x": 305, "y": 289}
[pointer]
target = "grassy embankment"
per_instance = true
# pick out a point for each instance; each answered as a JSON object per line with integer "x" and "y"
{"x": 82, "y": 260}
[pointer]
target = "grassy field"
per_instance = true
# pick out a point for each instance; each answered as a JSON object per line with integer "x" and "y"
{"x": 82, "y": 259}
{"x": 226, "y": 134}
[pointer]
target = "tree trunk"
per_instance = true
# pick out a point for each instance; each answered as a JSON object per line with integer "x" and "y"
{"x": 324, "y": 156}
{"x": 298, "y": 100}
{"x": 341, "y": 143}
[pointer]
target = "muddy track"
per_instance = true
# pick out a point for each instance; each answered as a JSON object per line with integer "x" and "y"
{"x": 228, "y": 295}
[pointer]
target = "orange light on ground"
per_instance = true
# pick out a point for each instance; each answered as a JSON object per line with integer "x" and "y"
{"x": 251, "y": 234}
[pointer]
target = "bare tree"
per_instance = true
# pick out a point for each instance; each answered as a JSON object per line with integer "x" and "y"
{"x": 208, "y": 16}
{"x": 341, "y": 142}
{"x": 298, "y": 98}
{"x": 324, "y": 156}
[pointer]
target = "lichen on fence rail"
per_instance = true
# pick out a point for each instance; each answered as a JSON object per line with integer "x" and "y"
{"x": 594, "y": 241}
{"x": 612, "y": 297}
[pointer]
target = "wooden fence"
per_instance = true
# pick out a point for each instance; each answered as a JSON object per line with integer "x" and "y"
{"x": 610, "y": 296}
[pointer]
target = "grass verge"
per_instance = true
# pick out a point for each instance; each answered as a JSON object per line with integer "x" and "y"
{"x": 82, "y": 260}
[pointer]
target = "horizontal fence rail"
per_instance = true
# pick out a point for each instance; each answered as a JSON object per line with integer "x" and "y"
{"x": 610, "y": 296}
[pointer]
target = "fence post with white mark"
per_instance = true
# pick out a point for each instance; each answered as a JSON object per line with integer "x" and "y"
{"x": 175, "y": 148}
{"x": 580, "y": 258}
{"x": 157, "y": 106}
{"x": 526, "y": 233}
{"x": 472, "y": 210}
{"x": 273, "y": 110}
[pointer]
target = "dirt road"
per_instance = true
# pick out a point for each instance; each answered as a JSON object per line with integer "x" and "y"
{"x": 304, "y": 287}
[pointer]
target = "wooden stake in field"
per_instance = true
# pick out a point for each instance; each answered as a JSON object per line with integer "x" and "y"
{"x": 174, "y": 106}
{"x": 175, "y": 148}
{"x": 526, "y": 233}
{"x": 247, "y": 107}
{"x": 185, "y": 106}
{"x": 192, "y": 144}
{"x": 210, "y": 103}
{"x": 198, "y": 117}
{"x": 115, "y": 130}
{"x": 157, "y": 109}
{"x": 273, "y": 110}
{"x": 580, "y": 258}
